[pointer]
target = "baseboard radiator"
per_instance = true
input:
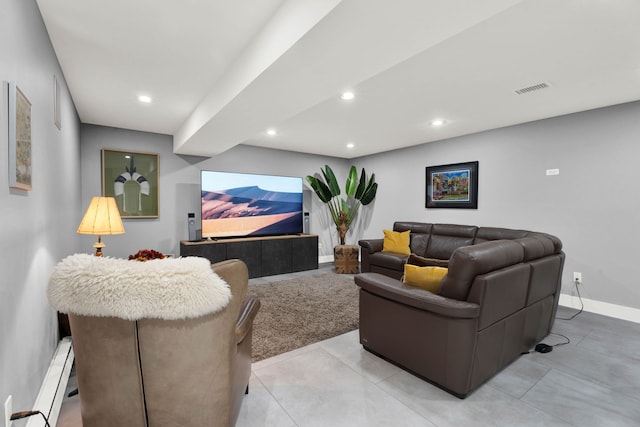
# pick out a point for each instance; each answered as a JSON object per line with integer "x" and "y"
{"x": 49, "y": 400}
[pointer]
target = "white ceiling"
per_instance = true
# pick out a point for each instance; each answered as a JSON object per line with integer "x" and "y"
{"x": 221, "y": 72}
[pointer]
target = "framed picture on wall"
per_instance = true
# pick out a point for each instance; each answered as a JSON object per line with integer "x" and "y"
{"x": 133, "y": 179}
{"x": 452, "y": 186}
{"x": 19, "y": 139}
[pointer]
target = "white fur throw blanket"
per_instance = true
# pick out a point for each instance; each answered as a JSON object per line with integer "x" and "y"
{"x": 170, "y": 288}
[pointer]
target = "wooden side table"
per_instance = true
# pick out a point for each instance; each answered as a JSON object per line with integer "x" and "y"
{"x": 346, "y": 259}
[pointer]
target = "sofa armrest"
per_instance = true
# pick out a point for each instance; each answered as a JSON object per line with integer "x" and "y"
{"x": 247, "y": 314}
{"x": 395, "y": 290}
{"x": 371, "y": 245}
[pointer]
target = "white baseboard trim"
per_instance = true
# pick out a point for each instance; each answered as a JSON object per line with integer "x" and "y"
{"x": 49, "y": 400}
{"x": 325, "y": 258}
{"x": 599, "y": 307}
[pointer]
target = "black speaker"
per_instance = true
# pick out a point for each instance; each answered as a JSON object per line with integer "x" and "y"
{"x": 191, "y": 226}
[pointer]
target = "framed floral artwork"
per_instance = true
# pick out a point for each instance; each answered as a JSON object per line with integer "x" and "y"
{"x": 452, "y": 186}
{"x": 19, "y": 139}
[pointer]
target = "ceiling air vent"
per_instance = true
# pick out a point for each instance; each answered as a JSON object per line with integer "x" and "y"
{"x": 533, "y": 88}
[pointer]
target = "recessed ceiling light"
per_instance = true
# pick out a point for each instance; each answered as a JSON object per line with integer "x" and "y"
{"x": 347, "y": 96}
{"x": 350, "y": 145}
{"x": 436, "y": 122}
{"x": 271, "y": 132}
{"x": 144, "y": 98}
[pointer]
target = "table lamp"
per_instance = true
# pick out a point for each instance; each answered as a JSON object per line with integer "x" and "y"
{"x": 101, "y": 217}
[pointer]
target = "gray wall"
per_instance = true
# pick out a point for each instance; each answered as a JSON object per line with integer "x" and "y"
{"x": 180, "y": 186}
{"x": 37, "y": 227}
{"x": 593, "y": 205}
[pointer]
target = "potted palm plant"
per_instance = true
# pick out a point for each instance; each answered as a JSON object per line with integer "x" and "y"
{"x": 358, "y": 192}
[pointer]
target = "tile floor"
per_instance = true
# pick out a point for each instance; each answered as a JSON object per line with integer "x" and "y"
{"x": 593, "y": 381}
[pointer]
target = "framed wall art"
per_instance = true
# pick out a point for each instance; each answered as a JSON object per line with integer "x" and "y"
{"x": 452, "y": 186}
{"x": 133, "y": 179}
{"x": 19, "y": 139}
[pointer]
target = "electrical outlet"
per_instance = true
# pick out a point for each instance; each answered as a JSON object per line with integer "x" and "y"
{"x": 8, "y": 410}
{"x": 577, "y": 277}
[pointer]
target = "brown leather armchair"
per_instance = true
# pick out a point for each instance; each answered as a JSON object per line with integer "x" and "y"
{"x": 189, "y": 371}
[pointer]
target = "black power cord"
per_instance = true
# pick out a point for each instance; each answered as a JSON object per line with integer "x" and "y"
{"x": 546, "y": 348}
{"x": 560, "y": 335}
{"x": 581, "y": 305}
{"x": 25, "y": 414}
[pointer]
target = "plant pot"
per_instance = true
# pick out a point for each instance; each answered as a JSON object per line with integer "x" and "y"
{"x": 345, "y": 259}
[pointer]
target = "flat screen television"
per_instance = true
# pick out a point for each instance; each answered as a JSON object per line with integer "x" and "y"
{"x": 243, "y": 204}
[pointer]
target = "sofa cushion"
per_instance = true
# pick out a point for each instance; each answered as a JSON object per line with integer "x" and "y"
{"x": 486, "y": 234}
{"x": 553, "y": 240}
{"x": 500, "y": 293}
{"x": 445, "y": 238}
{"x": 397, "y": 242}
{"x": 419, "y": 234}
{"x": 425, "y": 262}
{"x": 371, "y": 246}
{"x": 388, "y": 260}
{"x": 414, "y": 227}
{"x": 395, "y": 290}
{"x": 470, "y": 261}
{"x": 427, "y": 278}
{"x": 533, "y": 248}
{"x": 552, "y": 244}
{"x": 545, "y": 277}
{"x": 419, "y": 243}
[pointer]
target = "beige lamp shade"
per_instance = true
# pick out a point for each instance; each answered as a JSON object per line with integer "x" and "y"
{"x": 101, "y": 217}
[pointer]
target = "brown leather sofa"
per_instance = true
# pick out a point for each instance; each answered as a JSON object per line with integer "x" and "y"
{"x": 157, "y": 372}
{"x": 498, "y": 300}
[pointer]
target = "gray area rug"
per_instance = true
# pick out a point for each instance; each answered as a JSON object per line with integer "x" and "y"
{"x": 299, "y": 312}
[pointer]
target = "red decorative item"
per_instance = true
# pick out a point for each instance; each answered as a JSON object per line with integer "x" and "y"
{"x": 146, "y": 255}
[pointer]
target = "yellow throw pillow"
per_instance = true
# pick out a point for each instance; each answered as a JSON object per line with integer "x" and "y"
{"x": 396, "y": 241}
{"x": 428, "y": 278}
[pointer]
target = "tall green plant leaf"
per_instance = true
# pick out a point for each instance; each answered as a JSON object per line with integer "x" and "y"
{"x": 320, "y": 188}
{"x": 344, "y": 206}
{"x": 332, "y": 182}
{"x": 369, "y": 194}
{"x": 352, "y": 182}
{"x": 362, "y": 186}
{"x": 359, "y": 192}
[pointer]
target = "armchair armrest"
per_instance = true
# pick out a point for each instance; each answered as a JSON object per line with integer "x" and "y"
{"x": 372, "y": 245}
{"x": 395, "y": 290}
{"x": 247, "y": 314}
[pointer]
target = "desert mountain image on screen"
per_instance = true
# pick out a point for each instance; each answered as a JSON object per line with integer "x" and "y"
{"x": 246, "y": 211}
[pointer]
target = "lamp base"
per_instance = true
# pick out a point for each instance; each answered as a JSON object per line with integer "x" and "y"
{"x": 99, "y": 245}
